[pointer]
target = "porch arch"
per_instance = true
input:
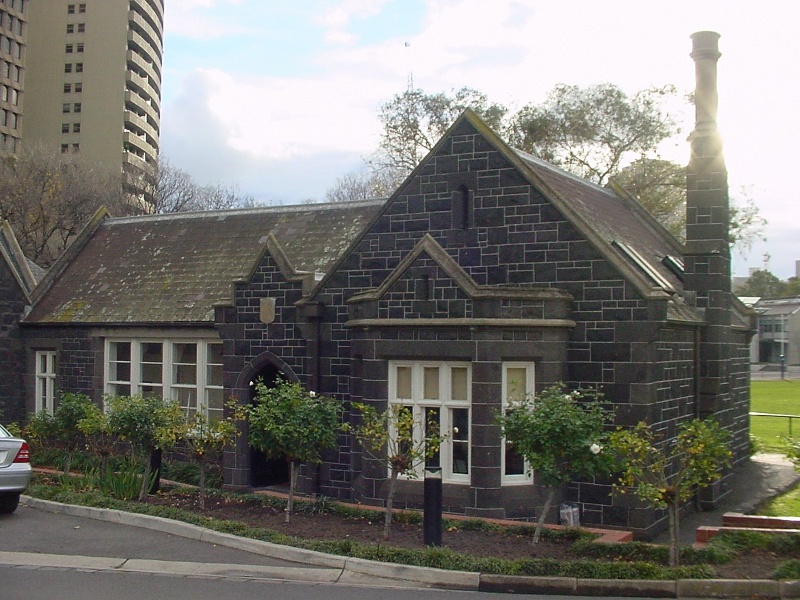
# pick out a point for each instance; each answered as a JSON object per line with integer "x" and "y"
{"x": 246, "y": 467}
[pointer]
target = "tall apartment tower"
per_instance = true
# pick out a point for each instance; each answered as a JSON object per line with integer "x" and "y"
{"x": 93, "y": 79}
{"x": 13, "y": 29}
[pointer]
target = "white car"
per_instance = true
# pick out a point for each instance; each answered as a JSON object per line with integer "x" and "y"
{"x": 15, "y": 470}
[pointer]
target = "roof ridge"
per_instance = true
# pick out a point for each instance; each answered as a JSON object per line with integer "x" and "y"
{"x": 281, "y": 208}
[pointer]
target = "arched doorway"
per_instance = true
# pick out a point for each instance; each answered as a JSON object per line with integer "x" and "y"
{"x": 266, "y": 472}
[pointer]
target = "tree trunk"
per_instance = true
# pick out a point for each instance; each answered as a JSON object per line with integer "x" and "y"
{"x": 387, "y": 518}
{"x": 674, "y": 552}
{"x": 551, "y": 493}
{"x": 145, "y": 487}
{"x": 292, "y": 482}
{"x": 67, "y": 462}
{"x": 202, "y": 483}
{"x": 103, "y": 469}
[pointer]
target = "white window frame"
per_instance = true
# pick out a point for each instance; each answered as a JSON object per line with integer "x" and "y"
{"x": 195, "y": 396}
{"x": 445, "y": 404}
{"x": 45, "y": 381}
{"x": 526, "y": 477}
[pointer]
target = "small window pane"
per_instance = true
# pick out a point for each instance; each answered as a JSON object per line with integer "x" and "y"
{"x": 516, "y": 384}
{"x": 404, "y": 383}
{"x": 431, "y": 383}
{"x": 433, "y": 427}
{"x": 458, "y": 376}
{"x": 214, "y": 404}
{"x": 186, "y": 374}
{"x": 186, "y": 353}
{"x": 120, "y": 390}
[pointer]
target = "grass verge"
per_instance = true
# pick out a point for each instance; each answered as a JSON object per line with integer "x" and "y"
{"x": 775, "y": 397}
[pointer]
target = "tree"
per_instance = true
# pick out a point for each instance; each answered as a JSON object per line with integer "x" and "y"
{"x": 205, "y": 439}
{"x": 667, "y": 474}
{"x": 746, "y": 224}
{"x": 169, "y": 189}
{"x": 364, "y": 184}
{"x": 660, "y": 187}
{"x": 388, "y": 437}
{"x": 47, "y": 198}
{"x": 763, "y": 284}
{"x": 561, "y": 436}
{"x": 593, "y": 131}
{"x": 147, "y": 423}
{"x": 100, "y": 437}
{"x": 288, "y": 421}
{"x": 414, "y": 121}
{"x": 69, "y": 411}
{"x": 597, "y": 132}
{"x": 61, "y": 429}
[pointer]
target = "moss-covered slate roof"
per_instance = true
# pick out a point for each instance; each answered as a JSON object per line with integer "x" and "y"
{"x": 174, "y": 268}
{"x": 611, "y": 217}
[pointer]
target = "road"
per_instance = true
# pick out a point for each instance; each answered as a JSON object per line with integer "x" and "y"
{"x": 53, "y": 555}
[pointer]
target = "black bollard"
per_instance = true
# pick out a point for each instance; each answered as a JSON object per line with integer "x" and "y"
{"x": 432, "y": 516}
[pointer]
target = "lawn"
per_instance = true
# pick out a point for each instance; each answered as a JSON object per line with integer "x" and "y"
{"x": 775, "y": 397}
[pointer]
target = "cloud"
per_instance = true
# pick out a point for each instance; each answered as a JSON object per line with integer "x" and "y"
{"x": 306, "y": 89}
{"x": 336, "y": 19}
{"x": 199, "y": 19}
{"x": 267, "y": 136}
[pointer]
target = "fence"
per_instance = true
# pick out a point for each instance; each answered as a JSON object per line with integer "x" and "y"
{"x": 790, "y": 417}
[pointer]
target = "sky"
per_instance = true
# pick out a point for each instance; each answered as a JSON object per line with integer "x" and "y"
{"x": 281, "y": 97}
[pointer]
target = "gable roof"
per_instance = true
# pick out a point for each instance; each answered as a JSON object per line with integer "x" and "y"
{"x": 629, "y": 236}
{"x": 26, "y": 272}
{"x": 174, "y": 268}
{"x": 611, "y": 220}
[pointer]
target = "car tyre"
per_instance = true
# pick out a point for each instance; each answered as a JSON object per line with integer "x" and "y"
{"x": 9, "y": 503}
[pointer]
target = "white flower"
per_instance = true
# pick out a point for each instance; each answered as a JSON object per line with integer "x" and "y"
{"x": 595, "y": 448}
{"x": 312, "y": 394}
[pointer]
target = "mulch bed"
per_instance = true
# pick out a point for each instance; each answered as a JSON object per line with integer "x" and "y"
{"x": 369, "y": 530}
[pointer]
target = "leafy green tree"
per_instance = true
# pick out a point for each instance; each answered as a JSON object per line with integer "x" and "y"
{"x": 791, "y": 287}
{"x": 61, "y": 429}
{"x": 562, "y": 437}
{"x": 660, "y": 187}
{"x": 388, "y": 437}
{"x": 69, "y": 411}
{"x": 41, "y": 429}
{"x": 593, "y": 131}
{"x": 205, "y": 439}
{"x": 288, "y": 421}
{"x": 598, "y": 132}
{"x": 667, "y": 474}
{"x": 100, "y": 437}
{"x": 762, "y": 283}
{"x": 147, "y": 423}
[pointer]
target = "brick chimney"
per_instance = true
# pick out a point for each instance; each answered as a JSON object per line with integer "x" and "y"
{"x": 707, "y": 260}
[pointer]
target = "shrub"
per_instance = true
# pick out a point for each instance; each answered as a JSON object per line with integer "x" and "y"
{"x": 787, "y": 570}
